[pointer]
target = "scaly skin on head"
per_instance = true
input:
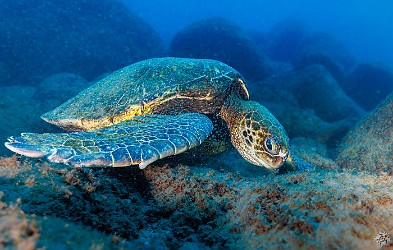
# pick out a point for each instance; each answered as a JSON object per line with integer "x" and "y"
{"x": 256, "y": 133}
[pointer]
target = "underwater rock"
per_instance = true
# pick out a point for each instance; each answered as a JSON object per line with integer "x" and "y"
{"x": 313, "y": 88}
{"x": 316, "y": 89}
{"x": 41, "y": 38}
{"x": 170, "y": 207}
{"x": 19, "y": 112}
{"x": 292, "y": 41}
{"x": 369, "y": 145}
{"x": 314, "y": 152}
{"x": 218, "y": 38}
{"x": 320, "y": 48}
{"x": 305, "y": 123}
{"x": 296, "y": 121}
{"x": 368, "y": 84}
{"x": 16, "y": 231}
{"x": 58, "y": 88}
{"x": 332, "y": 66}
{"x": 284, "y": 40}
{"x": 331, "y": 134}
{"x": 24, "y": 231}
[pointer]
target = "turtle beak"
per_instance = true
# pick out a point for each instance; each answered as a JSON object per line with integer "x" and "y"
{"x": 278, "y": 161}
{"x": 283, "y": 155}
{"x": 281, "y": 158}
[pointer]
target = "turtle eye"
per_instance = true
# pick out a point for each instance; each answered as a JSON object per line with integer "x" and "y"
{"x": 272, "y": 145}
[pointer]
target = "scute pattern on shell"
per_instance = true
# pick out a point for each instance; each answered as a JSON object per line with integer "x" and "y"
{"x": 138, "y": 88}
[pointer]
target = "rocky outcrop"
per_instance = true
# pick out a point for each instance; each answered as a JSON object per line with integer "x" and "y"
{"x": 219, "y": 39}
{"x": 368, "y": 84}
{"x": 88, "y": 38}
{"x": 369, "y": 146}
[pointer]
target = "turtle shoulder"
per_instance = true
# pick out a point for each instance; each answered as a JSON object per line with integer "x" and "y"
{"x": 139, "y": 88}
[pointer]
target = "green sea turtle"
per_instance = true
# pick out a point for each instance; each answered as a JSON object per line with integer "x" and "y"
{"x": 157, "y": 108}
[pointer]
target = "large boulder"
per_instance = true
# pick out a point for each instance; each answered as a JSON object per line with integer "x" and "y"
{"x": 305, "y": 123}
{"x": 337, "y": 71}
{"x": 324, "y": 49}
{"x": 312, "y": 88}
{"x": 368, "y": 84}
{"x": 316, "y": 89}
{"x": 218, "y": 38}
{"x": 314, "y": 152}
{"x": 325, "y": 43}
{"x": 40, "y": 38}
{"x": 292, "y": 41}
{"x": 369, "y": 146}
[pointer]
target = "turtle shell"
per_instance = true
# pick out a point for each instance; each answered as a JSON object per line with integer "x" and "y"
{"x": 154, "y": 86}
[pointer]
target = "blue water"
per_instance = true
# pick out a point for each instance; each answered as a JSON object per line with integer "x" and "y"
{"x": 42, "y": 37}
{"x": 364, "y": 26}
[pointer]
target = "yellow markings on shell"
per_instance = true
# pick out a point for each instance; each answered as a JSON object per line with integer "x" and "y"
{"x": 92, "y": 124}
{"x": 134, "y": 110}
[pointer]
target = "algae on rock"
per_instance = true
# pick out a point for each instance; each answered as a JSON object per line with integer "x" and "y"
{"x": 369, "y": 146}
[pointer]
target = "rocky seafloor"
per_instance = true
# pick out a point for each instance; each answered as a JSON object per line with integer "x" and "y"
{"x": 337, "y": 111}
{"x": 167, "y": 207}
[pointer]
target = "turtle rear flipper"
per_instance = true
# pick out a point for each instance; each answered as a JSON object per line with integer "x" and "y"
{"x": 140, "y": 141}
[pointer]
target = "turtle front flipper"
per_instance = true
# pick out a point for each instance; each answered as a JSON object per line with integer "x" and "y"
{"x": 140, "y": 141}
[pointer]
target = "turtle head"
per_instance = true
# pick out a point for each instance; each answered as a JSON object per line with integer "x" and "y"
{"x": 257, "y": 134}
